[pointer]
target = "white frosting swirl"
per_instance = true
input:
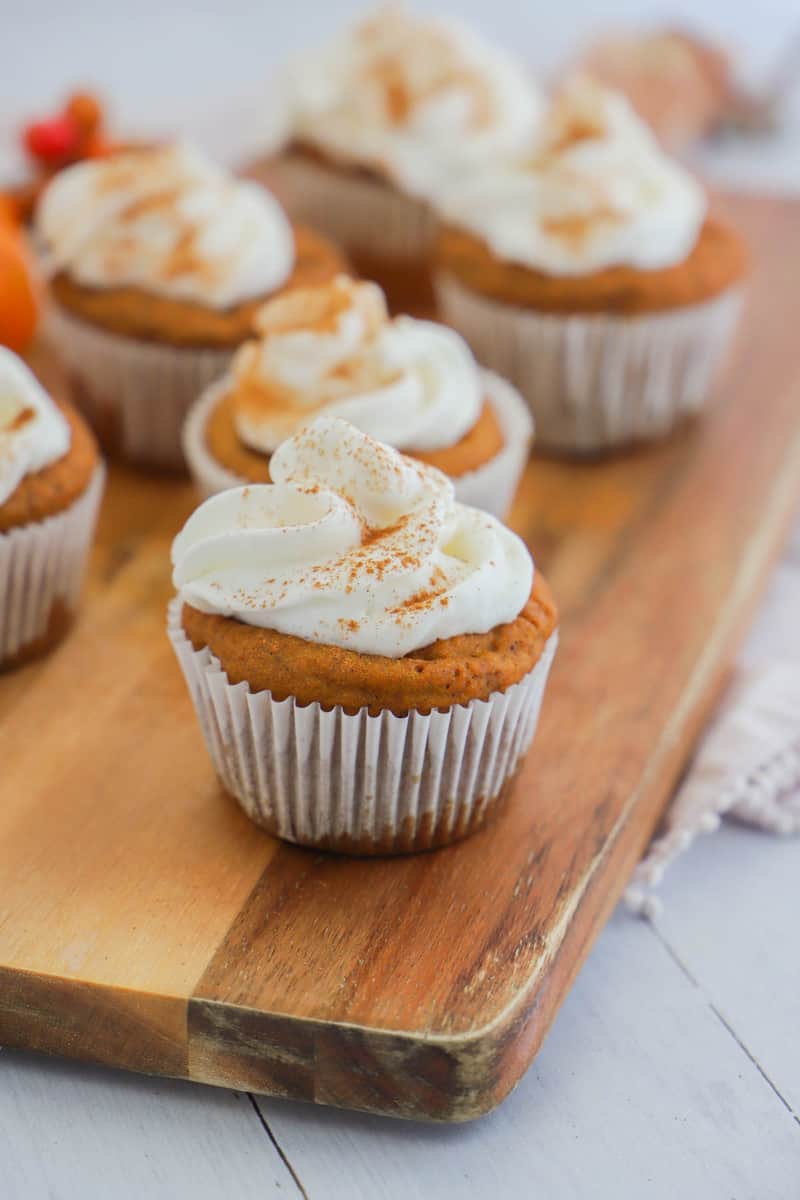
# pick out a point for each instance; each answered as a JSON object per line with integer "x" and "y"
{"x": 33, "y": 431}
{"x": 353, "y": 545}
{"x": 413, "y": 384}
{"x": 598, "y": 192}
{"x": 169, "y": 221}
{"x": 413, "y": 99}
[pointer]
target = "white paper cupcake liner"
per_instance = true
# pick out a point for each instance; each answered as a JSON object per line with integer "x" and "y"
{"x": 209, "y": 475}
{"x": 357, "y": 783}
{"x": 490, "y": 487}
{"x": 136, "y": 394}
{"x": 596, "y": 382}
{"x": 41, "y": 567}
{"x": 364, "y": 215}
{"x": 493, "y": 486}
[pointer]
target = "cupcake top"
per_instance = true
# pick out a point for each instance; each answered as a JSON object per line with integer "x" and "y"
{"x": 597, "y": 191}
{"x": 167, "y": 221}
{"x": 353, "y": 545}
{"x": 412, "y": 99}
{"x": 33, "y": 431}
{"x": 411, "y": 383}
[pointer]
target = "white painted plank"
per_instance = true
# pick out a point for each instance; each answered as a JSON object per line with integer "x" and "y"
{"x": 731, "y": 914}
{"x": 793, "y": 548}
{"x": 639, "y": 1091}
{"x": 775, "y": 635}
{"x": 731, "y": 903}
{"x": 74, "y": 1132}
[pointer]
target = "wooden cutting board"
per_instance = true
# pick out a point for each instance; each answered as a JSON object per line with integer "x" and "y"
{"x": 145, "y": 923}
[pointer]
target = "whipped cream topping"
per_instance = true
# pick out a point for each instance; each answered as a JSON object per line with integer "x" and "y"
{"x": 411, "y": 383}
{"x": 33, "y": 431}
{"x": 596, "y": 191}
{"x": 169, "y": 221}
{"x": 413, "y": 99}
{"x": 353, "y": 545}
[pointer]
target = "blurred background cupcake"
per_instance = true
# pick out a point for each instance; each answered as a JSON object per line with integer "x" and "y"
{"x": 591, "y": 274}
{"x": 379, "y": 118}
{"x": 51, "y": 481}
{"x": 157, "y": 260}
{"x": 410, "y": 383}
{"x": 367, "y": 656}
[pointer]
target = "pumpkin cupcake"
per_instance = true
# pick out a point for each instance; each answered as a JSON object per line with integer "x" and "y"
{"x": 412, "y": 384}
{"x": 51, "y": 480}
{"x": 367, "y": 656}
{"x": 158, "y": 259}
{"x": 379, "y": 119}
{"x": 592, "y": 276}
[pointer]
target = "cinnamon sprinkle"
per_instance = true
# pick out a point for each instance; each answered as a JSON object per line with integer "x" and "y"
{"x": 419, "y": 601}
{"x": 416, "y": 42}
{"x": 20, "y": 420}
{"x": 184, "y": 258}
{"x": 577, "y": 228}
{"x": 154, "y": 202}
{"x": 577, "y": 129}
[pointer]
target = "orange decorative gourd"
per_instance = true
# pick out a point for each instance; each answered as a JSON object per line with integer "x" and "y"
{"x": 19, "y": 302}
{"x": 9, "y": 211}
{"x": 86, "y": 111}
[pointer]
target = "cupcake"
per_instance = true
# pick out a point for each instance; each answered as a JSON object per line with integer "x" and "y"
{"x": 377, "y": 120}
{"x": 412, "y": 384}
{"x": 591, "y": 274}
{"x": 158, "y": 260}
{"x": 367, "y": 656}
{"x": 51, "y": 480}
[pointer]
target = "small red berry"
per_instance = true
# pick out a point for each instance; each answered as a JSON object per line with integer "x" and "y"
{"x": 52, "y": 141}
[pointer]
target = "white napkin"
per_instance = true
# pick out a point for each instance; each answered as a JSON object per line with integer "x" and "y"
{"x": 747, "y": 766}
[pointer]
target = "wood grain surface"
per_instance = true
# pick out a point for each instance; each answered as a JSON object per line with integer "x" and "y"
{"x": 145, "y": 923}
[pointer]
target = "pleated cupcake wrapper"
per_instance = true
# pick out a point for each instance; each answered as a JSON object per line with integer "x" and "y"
{"x": 41, "y": 565}
{"x": 136, "y": 394}
{"x": 493, "y": 486}
{"x": 368, "y": 783}
{"x": 209, "y": 475}
{"x": 597, "y": 382}
{"x": 365, "y": 216}
{"x": 490, "y": 487}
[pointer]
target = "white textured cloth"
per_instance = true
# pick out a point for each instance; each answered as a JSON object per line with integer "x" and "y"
{"x": 747, "y": 766}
